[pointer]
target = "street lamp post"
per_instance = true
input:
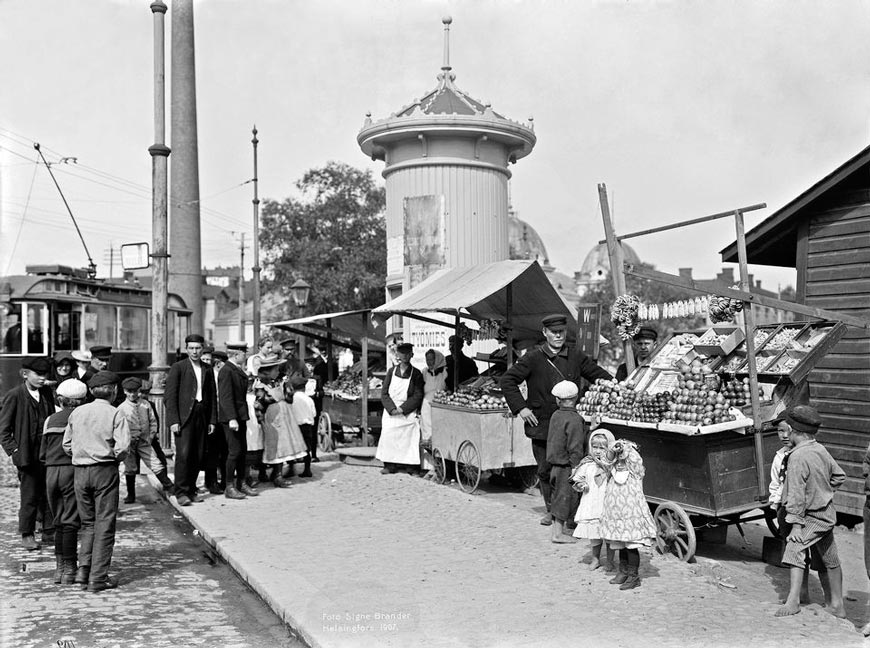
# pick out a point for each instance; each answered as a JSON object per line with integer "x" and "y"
{"x": 256, "y": 243}
{"x": 299, "y": 292}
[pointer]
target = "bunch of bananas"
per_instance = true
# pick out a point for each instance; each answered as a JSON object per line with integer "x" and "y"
{"x": 722, "y": 309}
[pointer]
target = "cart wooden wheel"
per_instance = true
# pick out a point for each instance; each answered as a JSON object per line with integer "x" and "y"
{"x": 439, "y": 470}
{"x": 674, "y": 531}
{"x": 772, "y": 521}
{"x": 468, "y": 467}
{"x": 325, "y": 441}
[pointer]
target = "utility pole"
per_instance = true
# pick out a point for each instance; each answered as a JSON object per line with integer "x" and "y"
{"x": 242, "y": 290}
{"x": 159, "y": 224}
{"x": 255, "y": 304}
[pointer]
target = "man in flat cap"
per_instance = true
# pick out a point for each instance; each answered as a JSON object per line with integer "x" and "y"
{"x": 811, "y": 477}
{"x": 97, "y": 438}
{"x": 295, "y": 366}
{"x": 215, "y": 444}
{"x": 191, "y": 414}
{"x": 643, "y": 342}
{"x": 459, "y": 366}
{"x": 541, "y": 368}
{"x": 233, "y": 417}
{"x": 100, "y": 356}
{"x": 22, "y": 416}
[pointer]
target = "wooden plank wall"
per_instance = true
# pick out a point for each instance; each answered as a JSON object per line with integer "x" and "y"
{"x": 837, "y": 271}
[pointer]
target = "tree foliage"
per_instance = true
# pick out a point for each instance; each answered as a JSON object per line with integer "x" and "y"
{"x": 333, "y": 236}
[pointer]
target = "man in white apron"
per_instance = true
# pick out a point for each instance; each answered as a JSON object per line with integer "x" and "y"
{"x": 402, "y": 397}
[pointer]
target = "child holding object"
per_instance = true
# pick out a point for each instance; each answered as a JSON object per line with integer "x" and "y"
{"x": 811, "y": 478}
{"x": 626, "y": 523}
{"x": 565, "y": 440}
{"x": 590, "y": 480}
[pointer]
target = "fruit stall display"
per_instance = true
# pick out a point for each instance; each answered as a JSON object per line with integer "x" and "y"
{"x": 348, "y": 386}
{"x": 479, "y": 395}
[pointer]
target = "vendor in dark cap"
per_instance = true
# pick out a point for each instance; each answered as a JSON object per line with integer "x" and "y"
{"x": 100, "y": 356}
{"x": 811, "y": 477}
{"x": 22, "y": 416}
{"x": 541, "y": 368}
{"x": 459, "y": 366}
{"x": 643, "y": 342}
{"x": 402, "y": 397}
{"x": 295, "y": 366}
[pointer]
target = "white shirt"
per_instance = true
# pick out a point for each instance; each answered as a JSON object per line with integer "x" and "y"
{"x": 34, "y": 394}
{"x": 197, "y": 370}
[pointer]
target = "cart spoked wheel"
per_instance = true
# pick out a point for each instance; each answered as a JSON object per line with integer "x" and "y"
{"x": 674, "y": 531}
{"x": 439, "y": 469}
{"x": 325, "y": 441}
{"x": 468, "y": 467}
{"x": 772, "y": 521}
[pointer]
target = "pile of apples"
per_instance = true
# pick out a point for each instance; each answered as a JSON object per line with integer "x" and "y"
{"x": 621, "y": 401}
{"x": 471, "y": 399}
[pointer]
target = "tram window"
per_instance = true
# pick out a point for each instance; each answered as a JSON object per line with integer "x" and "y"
{"x": 36, "y": 337}
{"x": 66, "y": 331}
{"x": 10, "y": 328}
{"x": 100, "y": 325}
{"x": 133, "y": 331}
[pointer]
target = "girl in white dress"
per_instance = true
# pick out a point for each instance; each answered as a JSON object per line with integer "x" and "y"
{"x": 590, "y": 480}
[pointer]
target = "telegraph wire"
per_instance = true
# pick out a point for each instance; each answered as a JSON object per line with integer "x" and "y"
{"x": 23, "y": 216}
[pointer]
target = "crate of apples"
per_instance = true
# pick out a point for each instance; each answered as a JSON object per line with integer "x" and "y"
{"x": 472, "y": 399}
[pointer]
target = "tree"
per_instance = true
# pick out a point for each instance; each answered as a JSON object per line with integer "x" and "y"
{"x": 333, "y": 236}
{"x": 649, "y": 292}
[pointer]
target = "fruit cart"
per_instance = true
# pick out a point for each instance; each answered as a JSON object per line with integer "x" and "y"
{"x": 479, "y": 440}
{"x": 687, "y": 410}
{"x": 342, "y": 416}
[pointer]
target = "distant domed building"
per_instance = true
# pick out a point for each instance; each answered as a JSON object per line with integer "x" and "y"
{"x": 596, "y": 266}
{"x": 525, "y": 243}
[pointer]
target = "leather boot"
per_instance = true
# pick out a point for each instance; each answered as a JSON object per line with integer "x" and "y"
{"x": 306, "y": 472}
{"x": 168, "y": 486}
{"x": 68, "y": 577}
{"x": 632, "y": 580}
{"x": 131, "y": 489}
{"x": 621, "y": 575}
{"x": 58, "y": 569}
{"x": 83, "y": 573}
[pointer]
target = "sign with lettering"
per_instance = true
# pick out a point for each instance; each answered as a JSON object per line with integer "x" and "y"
{"x": 589, "y": 329}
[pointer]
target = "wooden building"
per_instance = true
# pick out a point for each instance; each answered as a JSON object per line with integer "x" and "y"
{"x": 825, "y": 234}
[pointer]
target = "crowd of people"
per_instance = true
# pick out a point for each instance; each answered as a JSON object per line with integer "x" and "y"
{"x": 71, "y": 424}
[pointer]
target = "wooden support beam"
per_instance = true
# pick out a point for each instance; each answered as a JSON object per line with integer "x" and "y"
{"x": 364, "y": 396}
{"x": 614, "y": 252}
{"x": 747, "y": 296}
{"x": 693, "y": 221}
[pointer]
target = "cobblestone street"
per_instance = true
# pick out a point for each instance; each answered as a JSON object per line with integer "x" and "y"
{"x": 171, "y": 592}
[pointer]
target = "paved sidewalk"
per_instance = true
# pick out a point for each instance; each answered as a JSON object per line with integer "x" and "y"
{"x": 356, "y": 558}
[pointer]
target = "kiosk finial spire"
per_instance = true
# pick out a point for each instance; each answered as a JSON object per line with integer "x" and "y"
{"x": 446, "y": 20}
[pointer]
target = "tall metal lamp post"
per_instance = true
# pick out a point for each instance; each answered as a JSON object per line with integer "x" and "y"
{"x": 299, "y": 291}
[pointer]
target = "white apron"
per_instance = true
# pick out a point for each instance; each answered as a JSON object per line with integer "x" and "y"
{"x": 400, "y": 434}
{"x": 254, "y": 435}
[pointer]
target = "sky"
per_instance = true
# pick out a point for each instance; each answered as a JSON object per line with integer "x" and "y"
{"x": 683, "y": 109}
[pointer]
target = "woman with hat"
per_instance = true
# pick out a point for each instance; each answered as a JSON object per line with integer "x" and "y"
{"x": 64, "y": 366}
{"x": 282, "y": 438}
{"x": 402, "y": 397}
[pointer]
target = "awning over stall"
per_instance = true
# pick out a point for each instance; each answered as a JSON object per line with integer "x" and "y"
{"x": 483, "y": 292}
{"x": 347, "y": 326}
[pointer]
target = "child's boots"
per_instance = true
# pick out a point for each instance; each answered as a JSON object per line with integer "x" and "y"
{"x": 68, "y": 575}
{"x": 632, "y": 579}
{"x": 131, "y": 489}
{"x": 58, "y": 569}
{"x": 168, "y": 486}
{"x": 622, "y": 574}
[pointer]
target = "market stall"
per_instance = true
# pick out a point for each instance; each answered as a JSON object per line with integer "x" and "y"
{"x": 472, "y": 427}
{"x": 352, "y": 401}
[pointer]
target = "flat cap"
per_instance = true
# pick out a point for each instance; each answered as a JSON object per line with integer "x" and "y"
{"x": 405, "y": 347}
{"x": 554, "y": 320}
{"x": 235, "y": 345}
{"x": 100, "y": 352}
{"x": 289, "y": 342}
{"x": 196, "y": 338}
{"x": 803, "y": 418}
{"x": 81, "y": 356}
{"x": 646, "y": 333}
{"x": 38, "y": 365}
{"x": 565, "y": 389}
{"x": 297, "y": 381}
{"x": 103, "y": 378}
{"x": 220, "y": 355}
{"x": 131, "y": 384}
{"x": 208, "y": 349}
{"x": 72, "y": 388}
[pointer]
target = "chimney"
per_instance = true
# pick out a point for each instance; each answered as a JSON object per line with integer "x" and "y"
{"x": 726, "y": 276}
{"x": 685, "y": 273}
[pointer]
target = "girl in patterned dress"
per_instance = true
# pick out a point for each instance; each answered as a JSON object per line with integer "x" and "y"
{"x": 626, "y": 523}
{"x": 590, "y": 480}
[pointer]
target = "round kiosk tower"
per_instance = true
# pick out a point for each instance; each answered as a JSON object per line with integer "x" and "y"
{"x": 446, "y": 173}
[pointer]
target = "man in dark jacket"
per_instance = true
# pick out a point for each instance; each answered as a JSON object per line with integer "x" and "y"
{"x": 22, "y": 416}
{"x": 191, "y": 414}
{"x": 541, "y": 369}
{"x": 233, "y": 417}
{"x": 459, "y": 366}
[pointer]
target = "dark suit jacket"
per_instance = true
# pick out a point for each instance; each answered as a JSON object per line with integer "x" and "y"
{"x": 21, "y": 421}
{"x": 541, "y": 376}
{"x": 415, "y": 392}
{"x": 232, "y": 393}
{"x": 180, "y": 394}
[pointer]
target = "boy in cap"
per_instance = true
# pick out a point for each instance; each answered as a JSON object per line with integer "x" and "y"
{"x": 811, "y": 477}
{"x": 60, "y": 481}
{"x": 143, "y": 430}
{"x": 97, "y": 438}
{"x": 566, "y": 441}
{"x": 305, "y": 413}
{"x": 22, "y": 417}
{"x": 541, "y": 368}
{"x": 643, "y": 342}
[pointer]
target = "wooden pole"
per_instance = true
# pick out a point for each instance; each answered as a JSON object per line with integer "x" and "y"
{"x": 242, "y": 292}
{"x": 456, "y": 342}
{"x": 509, "y": 303}
{"x": 692, "y": 221}
{"x": 364, "y": 424}
{"x": 614, "y": 252}
{"x": 255, "y": 299}
{"x": 749, "y": 324}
